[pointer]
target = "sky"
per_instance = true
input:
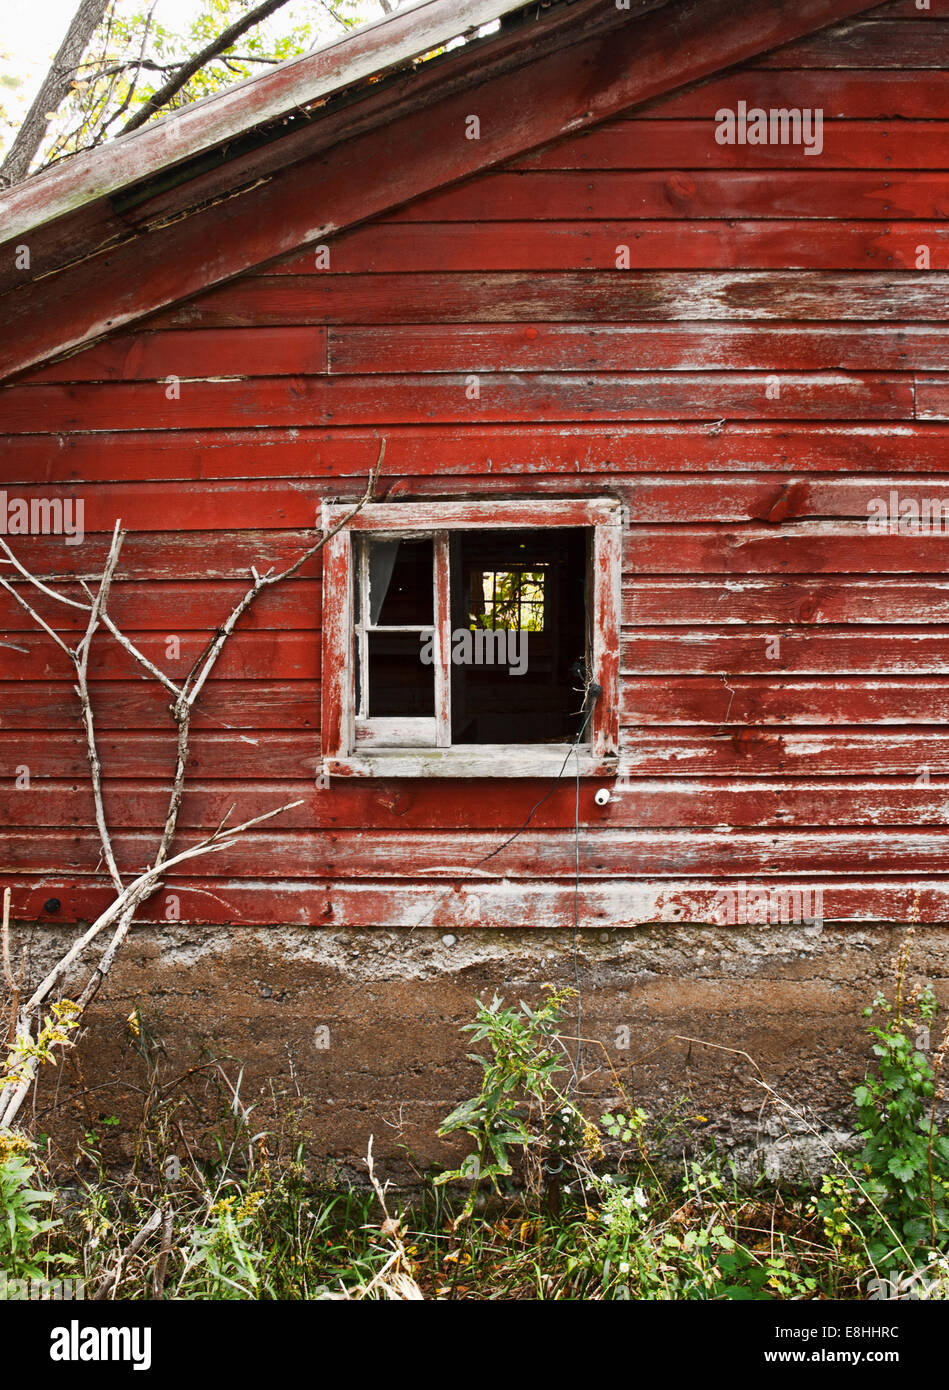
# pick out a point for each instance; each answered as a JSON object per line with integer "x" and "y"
{"x": 32, "y": 30}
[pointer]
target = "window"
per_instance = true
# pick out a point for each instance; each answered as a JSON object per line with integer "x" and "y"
{"x": 469, "y": 638}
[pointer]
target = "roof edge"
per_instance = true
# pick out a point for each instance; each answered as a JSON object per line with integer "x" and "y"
{"x": 203, "y": 125}
{"x": 552, "y": 95}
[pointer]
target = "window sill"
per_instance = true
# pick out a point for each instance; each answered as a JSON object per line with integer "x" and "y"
{"x": 475, "y": 760}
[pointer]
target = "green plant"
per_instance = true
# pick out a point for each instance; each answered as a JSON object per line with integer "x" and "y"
{"x": 898, "y": 1198}
{"x": 26, "y": 1053}
{"x": 223, "y": 1259}
{"x": 20, "y": 1228}
{"x": 697, "y": 1247}
{"x": 519, "y": 1106}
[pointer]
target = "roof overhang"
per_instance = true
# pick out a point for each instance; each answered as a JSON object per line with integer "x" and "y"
{"x": 240, "y": 179}
{"x": 283, "y": 92}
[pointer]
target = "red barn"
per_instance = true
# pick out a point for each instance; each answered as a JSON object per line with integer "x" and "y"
{"x": 634, "y": 669}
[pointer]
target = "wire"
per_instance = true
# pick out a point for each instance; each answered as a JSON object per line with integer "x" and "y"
{"x": 572, "y": 750}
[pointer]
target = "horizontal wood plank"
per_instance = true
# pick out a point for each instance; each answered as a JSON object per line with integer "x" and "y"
{"x": 279, "y": 504}
{"x": 246, "y": 656}
{"x": 644, "y": 802}
{"x": 765, "y": 751}
{"x": 293, "y": 656}
{"x": 605, "y": 852}
{"x": 439, "y": 399}
{"x": 817, "y": 547}
{"x": 569, "y": 296}
{"x": 198, "y": 355}
{"x": 562, "y": 457}
{"x": 688, "y": 602}
{"x": 810, "y": 651}
{"x": 790, "y": 546}
{"x": 814, "y": 243}
{"x": 549, "y": 907}
{"x": 686, "y": 144}
{"x": 255, "y": 706}
{"x": 856, "y": 94}
{"x": 164, "y": 606}
{"x": 534, "y": 347}
{"x": 775, "y": 700}
{"x": 677, "y": 195}
{"x": 644, "y": 347}
{"x": 932, "y": 398}
{"x": 866, "y": 43}
{"x": 248, "y": 706}
{"x": 739, "y": 751}
{"x": 694, "y": 602}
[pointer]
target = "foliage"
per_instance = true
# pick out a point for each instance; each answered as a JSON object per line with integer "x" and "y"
{"x": 26, "y": 1053}
{"x": 133, "y": 54}
{"x": 512, "y": 599}
{"x": 519, "y": 1105}
{"x": 697, "y": 1248}
{"x": 898, "y": 1199}
{"x": 244, "y": 1217}
{"x": 21, "y": 1229}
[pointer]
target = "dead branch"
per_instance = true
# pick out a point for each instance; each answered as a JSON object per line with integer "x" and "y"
{"x": 115, "y": 1274}
{"x": 120, "y": 913}
{"x": 158, "y": 1278}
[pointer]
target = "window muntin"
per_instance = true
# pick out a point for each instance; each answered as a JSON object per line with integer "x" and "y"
{"x": 512, "y": 599}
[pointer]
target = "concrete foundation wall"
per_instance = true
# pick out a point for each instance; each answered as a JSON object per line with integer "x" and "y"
{"x": 393, "y": 1003}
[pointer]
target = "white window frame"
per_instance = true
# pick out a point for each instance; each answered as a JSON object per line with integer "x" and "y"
{"x": 352, "y": 747}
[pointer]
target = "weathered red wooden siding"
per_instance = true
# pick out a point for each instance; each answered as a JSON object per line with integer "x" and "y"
{"x": 748, "y": 516}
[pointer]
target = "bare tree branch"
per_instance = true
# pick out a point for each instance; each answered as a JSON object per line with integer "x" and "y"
{"x": 120, "y": 913}
{"x": 140, "y": 657}
{"x": 194, "y": 64}
{"x": 115, "y": 1274}
{"x": 38, "y": 584}
{"x": 40, "y": 622}
{"x": 81, "y": 658}
{"x": 127, "y": 100}
{"x": 55, "y": 87}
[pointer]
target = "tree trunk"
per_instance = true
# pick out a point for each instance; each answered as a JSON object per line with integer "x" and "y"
{"x": 55, "y": 86}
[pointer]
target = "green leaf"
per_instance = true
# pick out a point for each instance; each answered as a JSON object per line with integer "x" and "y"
{"x": 899, "y": 1167}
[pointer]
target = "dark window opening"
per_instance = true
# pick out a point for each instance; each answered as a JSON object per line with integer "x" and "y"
{"x": 395, "y": 607}
{"x": 532, "y": 586}
{"x": 515, "y": 602}
{"x": 400, "y": 686}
